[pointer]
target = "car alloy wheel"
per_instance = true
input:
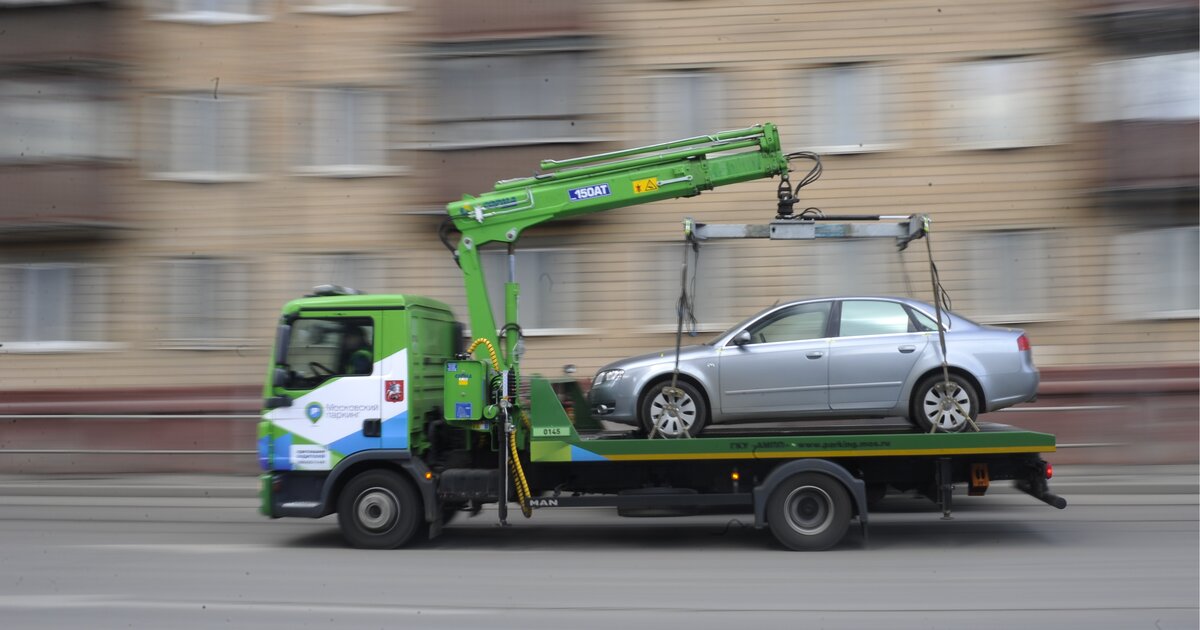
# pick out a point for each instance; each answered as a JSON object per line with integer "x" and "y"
{"x": 673, "y": 412}
{"x": 947, "y": 406}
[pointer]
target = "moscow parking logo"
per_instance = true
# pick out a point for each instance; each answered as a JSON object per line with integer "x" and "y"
{"x": 314, "y": 411}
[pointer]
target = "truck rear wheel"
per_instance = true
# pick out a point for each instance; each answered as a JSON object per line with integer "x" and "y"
{"x": 379, "y": 510}
{"x": 809, "y": 512}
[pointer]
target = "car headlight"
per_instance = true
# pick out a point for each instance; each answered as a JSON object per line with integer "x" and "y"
{"x": 607, "y": 376}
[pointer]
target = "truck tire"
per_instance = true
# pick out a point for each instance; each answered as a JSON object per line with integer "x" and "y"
{"x": 809, "y": 512}
{"x": 928, "y": 407}
{"x": 378, "y": 509}
{"x": 674, "y": 415}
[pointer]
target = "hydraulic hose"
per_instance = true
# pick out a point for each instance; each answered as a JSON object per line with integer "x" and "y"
{"x": 514, "y": 462}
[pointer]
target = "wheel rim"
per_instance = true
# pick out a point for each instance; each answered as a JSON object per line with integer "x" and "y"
{"x": 377, "y": 509}
{"x": 673, "y": 415}
{"x": 940, "y": 408}
{"x": 808, "y": 510}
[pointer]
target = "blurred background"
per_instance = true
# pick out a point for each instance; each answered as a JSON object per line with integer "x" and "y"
{"x": 173, "y": 171}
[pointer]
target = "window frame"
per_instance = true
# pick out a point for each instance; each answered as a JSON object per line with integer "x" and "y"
{"x": 349, "y": 8}
{"x": 181, "y": 11}
{"x": 163, "y": 161}
{"x": 309, "y": 148}
{"x": 1019, "y": 96}
{"x": 78, "y": 344}
{"x": 486, "y": 253}
{"x": 238, "y": 294}
{"x": 815, "y": 79}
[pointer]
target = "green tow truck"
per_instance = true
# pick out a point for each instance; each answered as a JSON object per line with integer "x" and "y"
{"x": 377, "y": 409}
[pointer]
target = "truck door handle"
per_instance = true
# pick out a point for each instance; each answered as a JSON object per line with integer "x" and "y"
{"x": 815, "y": 354}
{"x": 907, "y": 349}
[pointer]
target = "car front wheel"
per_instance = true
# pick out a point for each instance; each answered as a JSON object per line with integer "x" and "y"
{"x": 673, "y": 412}
{"x": 951, "y": 407}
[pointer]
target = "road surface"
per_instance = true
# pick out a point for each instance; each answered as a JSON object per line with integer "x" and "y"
{"x": 176, "y": 558}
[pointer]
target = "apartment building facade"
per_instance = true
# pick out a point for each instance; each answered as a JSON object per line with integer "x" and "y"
{"x": 180, "y": 168}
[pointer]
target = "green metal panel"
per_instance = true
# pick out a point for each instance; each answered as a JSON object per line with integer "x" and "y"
{"x": 465, "y": 390}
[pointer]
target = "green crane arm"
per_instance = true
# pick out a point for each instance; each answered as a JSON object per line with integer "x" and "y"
{"x": 606, "y": 181}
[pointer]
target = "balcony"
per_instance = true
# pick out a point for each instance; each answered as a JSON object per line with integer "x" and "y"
{"x": 1153, "y": 159}
{"x": 487, "y": 19}
{"x": 60, "y": 34}
{"x": 1143, "y": 26}
{"x": 57, "y": 202}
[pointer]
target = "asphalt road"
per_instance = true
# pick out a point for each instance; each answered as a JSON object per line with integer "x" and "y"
{"x": 87, "y": 560}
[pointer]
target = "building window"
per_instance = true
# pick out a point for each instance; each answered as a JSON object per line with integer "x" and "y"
{"x": 867, "y": 267}
{"x": 52, "y": 306}
{"x": 507, "y": 98}
{"x": 1157, "y": 87}
{"x": 49, "y": 121}
{"x": 204, "y": 138}
{"x": 846, "y": 109}
{"x": 655, "y": 291}
{"x": 207, "y": 303}
{"x": 1153, "y": 274}
{"x": 549, "y": 288}
{"x": 687, "y": 103}
{"x": 1010, "y": 276}
{"x": 210, "y": 11}
{"x": 1002, "y": 103}
{"x": 348, "y": 133}
{"x": 347, "y": 7}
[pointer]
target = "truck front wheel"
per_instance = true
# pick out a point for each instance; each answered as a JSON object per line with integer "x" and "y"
{"x": 809, "y": 512}
{"x": 379, "y": 510}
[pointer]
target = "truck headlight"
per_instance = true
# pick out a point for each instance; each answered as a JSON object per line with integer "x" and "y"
{"x": 607, "y": 376}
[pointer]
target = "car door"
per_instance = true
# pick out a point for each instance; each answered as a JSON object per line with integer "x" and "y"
{"x": 782, "y": 368}
{"x": 875, "y": 349}
{"x": 334, "y": 389}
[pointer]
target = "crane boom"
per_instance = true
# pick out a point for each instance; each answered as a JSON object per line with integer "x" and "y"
{"x": 595, "y": 183}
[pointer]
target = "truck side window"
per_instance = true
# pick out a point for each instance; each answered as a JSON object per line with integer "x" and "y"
{"x": 323, "y": 348}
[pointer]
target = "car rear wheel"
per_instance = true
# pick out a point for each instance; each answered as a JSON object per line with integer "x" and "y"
{"x": 945, "y": 406}
{"x": 673, "y": 412}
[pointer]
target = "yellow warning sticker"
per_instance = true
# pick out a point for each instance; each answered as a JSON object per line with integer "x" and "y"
{"x": 645, "y": 185}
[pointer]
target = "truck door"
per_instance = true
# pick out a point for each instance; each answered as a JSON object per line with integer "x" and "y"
{"x": 783, "y": 367}
{"x": 332, "y": 375}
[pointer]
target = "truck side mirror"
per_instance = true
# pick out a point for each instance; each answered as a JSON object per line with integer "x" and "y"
{"x": 741, "y": 338}
{"x": 280, "y": 377}
{"x": 283, "y": 336}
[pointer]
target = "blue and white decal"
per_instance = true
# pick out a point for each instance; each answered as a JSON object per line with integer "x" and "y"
{"x": 589, "y": 192}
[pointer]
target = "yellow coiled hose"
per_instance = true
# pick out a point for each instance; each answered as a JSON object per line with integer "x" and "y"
{"x": 514, "y": 461}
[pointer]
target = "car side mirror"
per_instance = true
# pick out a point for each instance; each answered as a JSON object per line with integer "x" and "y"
{"x": 281, "y": 377}
{"x": 741, "y": 338}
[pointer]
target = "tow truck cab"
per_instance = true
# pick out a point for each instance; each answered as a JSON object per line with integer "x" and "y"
{"x": 352, "y": 375}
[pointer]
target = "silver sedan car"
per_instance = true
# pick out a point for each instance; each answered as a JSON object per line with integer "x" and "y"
{"x": 846, "y": 357}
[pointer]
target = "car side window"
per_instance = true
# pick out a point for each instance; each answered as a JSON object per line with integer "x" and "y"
{"x": 925, "y": 323}
{"x": 800, "y": 322}
{"x": 871, "y": 317}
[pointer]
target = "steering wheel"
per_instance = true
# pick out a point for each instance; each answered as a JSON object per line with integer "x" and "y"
{"x": 317, "y": 368}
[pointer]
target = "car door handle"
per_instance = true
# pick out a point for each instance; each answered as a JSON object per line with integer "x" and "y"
{"x": 907, "y": 349}
{"x": 815, "y": 354}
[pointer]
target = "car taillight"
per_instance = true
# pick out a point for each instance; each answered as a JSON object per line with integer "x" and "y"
{"x": 1049, "y": 471}
{"x": 1022, "y": 343}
